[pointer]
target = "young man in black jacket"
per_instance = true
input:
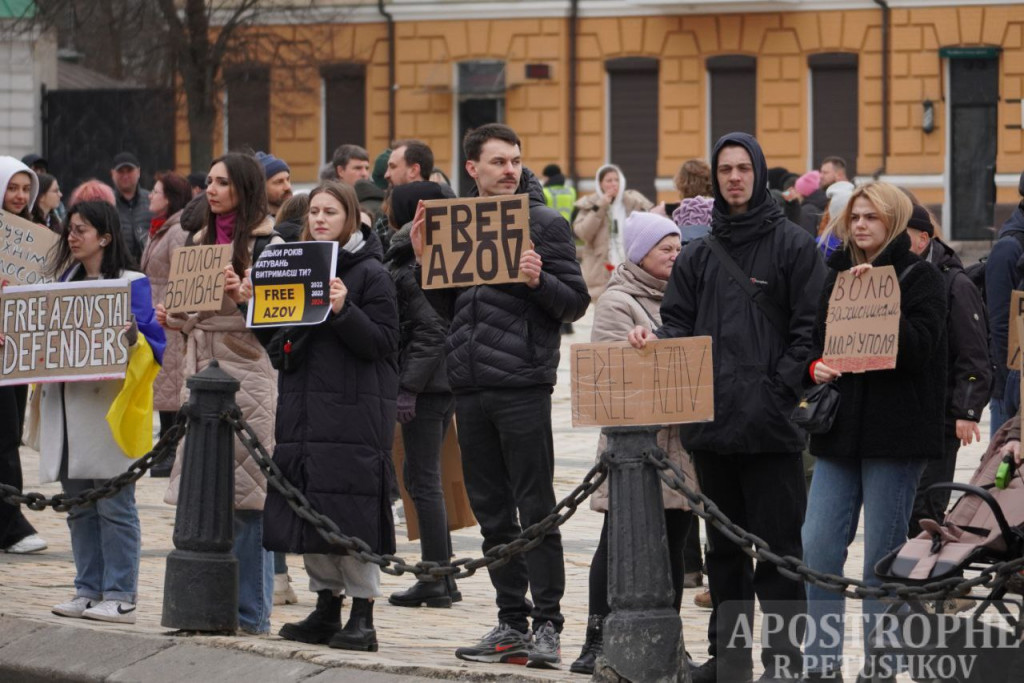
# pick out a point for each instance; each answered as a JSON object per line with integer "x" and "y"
{"x": 502, "y": 354}
{"x": 748, "y": 459}
{"x": 970, "y": 369}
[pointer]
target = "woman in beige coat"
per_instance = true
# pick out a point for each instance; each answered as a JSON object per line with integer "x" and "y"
{"x": 633, "y": 297}
{"x": 168, "y": 197}
{"x": 598, "y": 223}
{"x": 237, "y": 197}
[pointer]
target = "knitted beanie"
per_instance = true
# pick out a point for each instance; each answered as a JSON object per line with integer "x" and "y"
{"x": 808, "y": 183}
{"x": 838, "y": 194}
{"x": 271, "y": 164}
{"x": 380, "y": 167}
{"x": 642, "y": 231}
{"x": 693, "y": 211}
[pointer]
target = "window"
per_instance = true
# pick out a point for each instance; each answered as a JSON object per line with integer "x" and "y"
{"x": 248, "y": 107}
{"x": 733, "y": 95}
{"x": 633, "y": 121}
{"x": 834, "y": 108}
{"x": 344, "y": 106}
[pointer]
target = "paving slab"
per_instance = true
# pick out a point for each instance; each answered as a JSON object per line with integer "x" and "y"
{"x": 189, "y": 662}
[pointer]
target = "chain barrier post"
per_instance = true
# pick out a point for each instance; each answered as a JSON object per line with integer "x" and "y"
{"x": 201, "y": 581}
{"x": 643, "y": 634}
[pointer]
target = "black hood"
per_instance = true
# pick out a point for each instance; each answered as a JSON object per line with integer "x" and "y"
{"x": 763, "y": 213}
{"x": 528, "y": 184}
{"x": 942, "y": 255}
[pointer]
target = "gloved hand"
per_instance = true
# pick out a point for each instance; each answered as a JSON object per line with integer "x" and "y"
{"x": 406, "y": 406}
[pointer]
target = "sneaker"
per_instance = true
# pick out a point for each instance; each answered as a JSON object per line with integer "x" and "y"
{"x": 29, "y": 544}
{"x": 117, "y": 611}
{"x": 73, "y": 608}
{"x": 502, "y": 644}
{"x": 546, "y": 651}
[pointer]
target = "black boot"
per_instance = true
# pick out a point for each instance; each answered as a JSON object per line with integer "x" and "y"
{"x": 592, "y": 646}
{"x": 429, "y": 593}
{"x": 358, "y": 633}
{"x": 322, "y": 623}
{"x": 453, "y": 590}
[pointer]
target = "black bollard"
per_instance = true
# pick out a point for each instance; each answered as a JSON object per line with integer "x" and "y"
{"x": 643, "y": 633}
{"x": 201, "y": 582}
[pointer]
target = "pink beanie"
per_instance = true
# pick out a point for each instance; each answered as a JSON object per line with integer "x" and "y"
{"x": 642, "y": 231}
{"x": 808, "y": 183}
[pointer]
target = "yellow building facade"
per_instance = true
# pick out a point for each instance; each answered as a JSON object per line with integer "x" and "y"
{"x": 908, "y": 132}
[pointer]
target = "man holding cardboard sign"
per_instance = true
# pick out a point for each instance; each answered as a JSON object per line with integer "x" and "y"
{"x": 748, "y": 459}
{"x": 502, "y": 353}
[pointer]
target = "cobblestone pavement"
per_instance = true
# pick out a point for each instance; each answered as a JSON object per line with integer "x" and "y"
{"x": 416, "y": 641}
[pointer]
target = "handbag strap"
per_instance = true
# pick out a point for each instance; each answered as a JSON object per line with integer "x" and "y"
{"x": 775, "y": 314}
{"x": 655, "y": 324}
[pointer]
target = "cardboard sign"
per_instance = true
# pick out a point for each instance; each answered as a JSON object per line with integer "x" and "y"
{"x": 196, "y": 282}
{"x": 453, "y": 485}
{"x": 1013, "y": 357}
{"x": 23, "y": 249}
{"x": 475, "y": 241}
{"x": 290, "y": 284}
{"x": 65, "y": 332}
{"x": 668, "y": 382}
{"x": 862, "y": 328}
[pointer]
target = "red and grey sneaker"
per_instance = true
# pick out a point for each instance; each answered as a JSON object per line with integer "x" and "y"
{"x": 546, "y": 650}
{"x": 502, "y": 644}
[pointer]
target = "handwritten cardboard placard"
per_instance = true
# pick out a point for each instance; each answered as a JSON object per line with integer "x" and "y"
{"x": 1013, "y": 356}
{"x": 670, "y": 381}
{"x": 23, "y": 249}
{"x": 862, "y": 328}
{"x": 290, "y": 284}
{"x": 475, "y": 241}
{"x": 64, "y": 332}
{"x": 196, "y": 282}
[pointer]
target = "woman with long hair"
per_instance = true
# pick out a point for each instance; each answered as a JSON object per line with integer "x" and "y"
{"x": 46, "y": 209}
{"x": 237, "y": 216}
{"x": 77, "y": 446}
{"x": 889, "y": 422}
{"x": 598, "y": 223}
{"x": 17, "y": 535}
{"x": 169, "y": 195}
{"x": 338, "y": 383}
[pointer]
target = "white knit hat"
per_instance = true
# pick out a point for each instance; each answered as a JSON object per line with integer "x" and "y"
{"x": 642, "y": 231}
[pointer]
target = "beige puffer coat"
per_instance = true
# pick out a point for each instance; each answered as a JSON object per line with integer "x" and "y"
{"x": 593, "y": 226}
{"x": 223, "y": 336}
{"x": 156, "y": 264}
{"x": 633, "y": 297}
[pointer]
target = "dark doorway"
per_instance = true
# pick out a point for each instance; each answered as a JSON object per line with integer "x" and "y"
{"x": 973, "y": 96}
{"x": 84, "y": 129}
{"x": 481, "y": 100}
{"x": 633, "y": 121}
{"x": 733, "y": 95}
{"x": 248, "y": 108}
{"x": 474, "y": 113}
{"x": 344, "y": 106}
{"x": 834, "y": 108}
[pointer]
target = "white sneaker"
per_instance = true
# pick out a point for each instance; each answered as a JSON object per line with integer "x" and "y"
{"x": 112, "y": 610}
{"x": 73, "y": 608}
{"x": 29, "y": 544}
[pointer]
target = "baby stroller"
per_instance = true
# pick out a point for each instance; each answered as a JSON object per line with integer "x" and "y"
{"x": 932, "y": 641}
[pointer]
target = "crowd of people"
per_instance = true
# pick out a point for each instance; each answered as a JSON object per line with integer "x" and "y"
{"x": 327, "y": 399}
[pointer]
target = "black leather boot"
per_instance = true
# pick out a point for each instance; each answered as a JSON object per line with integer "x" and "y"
{"x": 429, "y": 593}
{"x": 358, "y": 633}
{"x": 592, "y": 646}
{"x": 453, "y": 590}
{"x": 322, "y": 623}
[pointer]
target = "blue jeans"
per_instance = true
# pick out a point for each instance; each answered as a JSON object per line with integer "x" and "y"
{"x": 106, "y": 542}
{"x": 255, "y": 572}
{"x": 885, "y": 487}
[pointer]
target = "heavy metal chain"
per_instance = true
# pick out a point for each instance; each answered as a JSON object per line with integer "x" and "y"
{"x": 793, "y": 568}
{"x": 531, "y": 537}
{"x": 61, "y": 502}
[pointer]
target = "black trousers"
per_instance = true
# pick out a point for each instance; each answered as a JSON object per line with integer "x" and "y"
{"x": 13, "y": 525}
{"x": 765, "y": 494}
{"x": 423, "y": 437}
{"x": 936, "y": 471}
{"x": 677, "y": 527}
{"x": 508, "y": 461}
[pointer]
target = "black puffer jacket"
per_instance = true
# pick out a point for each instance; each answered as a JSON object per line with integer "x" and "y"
{"x": 507, "y": 336}
{"x": 336, "y": 414}
{"x": 893, "y": 413}
{"x": 758, "y": 372}
{"x": 970, "y": 370}
{"x": 423, "y": 330}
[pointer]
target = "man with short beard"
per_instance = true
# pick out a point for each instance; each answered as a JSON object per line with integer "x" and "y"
{"x": 279, "y": 181}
